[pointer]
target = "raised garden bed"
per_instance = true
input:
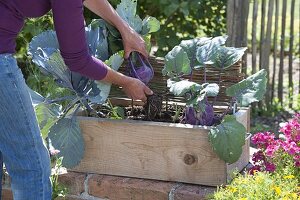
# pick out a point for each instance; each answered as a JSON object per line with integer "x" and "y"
{"x": 156, "y": 150}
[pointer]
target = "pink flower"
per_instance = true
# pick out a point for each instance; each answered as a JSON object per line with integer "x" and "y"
{"x": 263, "y": 139}
{"x": 258, "y": 156}
{"x": 271, "y": 149}
{"x": 270, "y": 167}
{"x": 290, "y": 147}
{"x": 297, "y": 160}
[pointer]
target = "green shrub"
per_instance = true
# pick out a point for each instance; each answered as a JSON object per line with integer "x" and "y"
{"x": 261, "y": 185}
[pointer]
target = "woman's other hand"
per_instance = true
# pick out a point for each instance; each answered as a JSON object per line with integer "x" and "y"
{"x": 136, "y": 89}
{"x": 132, "y": 41}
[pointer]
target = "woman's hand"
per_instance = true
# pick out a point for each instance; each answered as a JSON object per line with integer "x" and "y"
{"x": 136, "y": 89}
{"x": 133, "y": 88}
{"x": 132, "y": 41}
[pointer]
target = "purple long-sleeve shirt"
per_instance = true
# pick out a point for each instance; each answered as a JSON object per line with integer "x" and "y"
{"x": 69, "y": 25}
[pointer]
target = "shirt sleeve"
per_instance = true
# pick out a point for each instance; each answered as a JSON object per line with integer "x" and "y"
{"x": 70, "y": 30}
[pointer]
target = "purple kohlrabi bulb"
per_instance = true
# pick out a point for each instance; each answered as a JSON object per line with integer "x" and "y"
{"x": 144, "y": 72}
{"x": 207, "y": 116}
{"x": 200, "y": 118}
{"x": 190, "y": 116}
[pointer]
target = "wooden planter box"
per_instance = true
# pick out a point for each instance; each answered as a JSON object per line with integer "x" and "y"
{"x": 156, "y": 150}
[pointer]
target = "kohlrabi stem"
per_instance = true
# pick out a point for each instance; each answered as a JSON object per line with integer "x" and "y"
{"x": 191, "y": 76}
{"x": 192, "y": 67}
{"x": 76, "y": 110}
{"x": 70, "y": 105}
{"x": 229, "y": 107}
{"x": 90, "y": 86}
{"x": 86, "y": 104}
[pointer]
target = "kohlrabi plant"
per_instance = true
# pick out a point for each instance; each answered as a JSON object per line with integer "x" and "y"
{"x": 59, "y": 125}
{"x": 139, "y": 67}
{"x": 226, "y": 135}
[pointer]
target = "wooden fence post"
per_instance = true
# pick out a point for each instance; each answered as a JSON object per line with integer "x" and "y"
{"x": 253, "y": 34}
{"x": 291, "y": 85}
{"x": 237, "y": 17}
{"x": 266, "y": 51}
{"x": 275, "y": 49}
{"x": 280, "y": 74}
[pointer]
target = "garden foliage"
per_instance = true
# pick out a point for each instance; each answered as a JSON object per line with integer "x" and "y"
{"x": 58, "y": 123}
{"x": 228, "y": 137}
{"x": 279, "y": 154}
{"x": 276, "y": 170}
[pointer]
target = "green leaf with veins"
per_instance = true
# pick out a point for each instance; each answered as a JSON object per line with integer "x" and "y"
{"x": 177, "y": 63}
{"x": 227, "y": 139}
{"x": 249, "y": 90}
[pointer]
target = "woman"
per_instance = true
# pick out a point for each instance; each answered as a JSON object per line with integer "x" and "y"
{"x": 21, "y": 146}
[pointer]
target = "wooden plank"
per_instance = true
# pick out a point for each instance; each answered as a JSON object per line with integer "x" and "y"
{"x": 153, "y": 150}
{"x": 149, "y": 151}
{"x": 243, "y": 116}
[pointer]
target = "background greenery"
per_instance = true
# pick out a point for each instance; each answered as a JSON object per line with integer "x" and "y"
{"x": 179, "y": 20}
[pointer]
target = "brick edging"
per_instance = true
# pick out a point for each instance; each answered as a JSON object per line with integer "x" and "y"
{"x": 83, "y": 186}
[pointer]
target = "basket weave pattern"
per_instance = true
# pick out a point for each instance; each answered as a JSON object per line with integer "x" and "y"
{"x": 158, "y": 84}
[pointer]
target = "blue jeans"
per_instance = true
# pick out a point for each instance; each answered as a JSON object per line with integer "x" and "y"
{"x": 24, "y": 153}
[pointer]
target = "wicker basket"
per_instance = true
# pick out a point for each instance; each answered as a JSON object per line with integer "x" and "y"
{"x": 158, "y": 84}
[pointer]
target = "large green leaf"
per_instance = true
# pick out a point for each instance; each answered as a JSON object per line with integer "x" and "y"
{"x": 249, "y": 90}
{"x": 66, "y": 137}
{"x": 150, "y": 25}
{"x": 96, "y": 36}
{"x": 190, "y": 47}
{"x": 227, "y": 139}
{"x": 45, "y": 39}
{"x": 211, "y": 89}
{"x": 224, "y": 57}
{"x": 47, "y": 116}
{"x": 127, "y": 11}
{"x": 205, "y": 52}
{"x": 36, "y": 98}
{"x": 59, "y": 70}
{"x": 219, "y": 40}
{"x": 181, "y": 87}
{"x": 115, "y": 61}
{"x": 177, "y": 63}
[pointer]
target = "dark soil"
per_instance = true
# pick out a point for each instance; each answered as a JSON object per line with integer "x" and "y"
{"x": 153, "y": 110}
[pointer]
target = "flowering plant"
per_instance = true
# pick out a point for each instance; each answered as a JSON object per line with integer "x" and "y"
{"x": 261, "y": 185}
{"x": 279, "y": 153}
